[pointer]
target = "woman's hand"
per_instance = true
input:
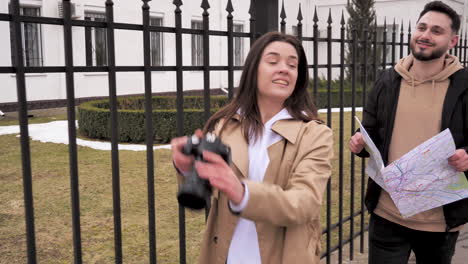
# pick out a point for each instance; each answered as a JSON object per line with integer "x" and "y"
{"x": 220, "y": 175}
{"x": 181, "y": 161}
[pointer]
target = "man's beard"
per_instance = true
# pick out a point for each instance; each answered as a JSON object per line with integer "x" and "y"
{"x": 435, "y": 54}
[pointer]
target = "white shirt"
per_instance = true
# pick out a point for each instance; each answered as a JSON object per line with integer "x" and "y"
{"x": 244, "y": 246}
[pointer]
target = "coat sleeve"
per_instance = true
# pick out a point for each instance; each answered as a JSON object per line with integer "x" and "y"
{"x": 369, "y": 120}
{"x": 301, "y": 200}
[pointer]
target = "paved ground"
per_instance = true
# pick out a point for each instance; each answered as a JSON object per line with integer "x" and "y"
{"x": 461, "y": 254}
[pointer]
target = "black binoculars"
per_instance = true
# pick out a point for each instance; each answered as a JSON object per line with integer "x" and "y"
{"x": 195, "y": 192}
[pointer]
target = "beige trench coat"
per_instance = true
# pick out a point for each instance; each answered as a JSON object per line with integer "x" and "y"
{"x": 286, "y": 205}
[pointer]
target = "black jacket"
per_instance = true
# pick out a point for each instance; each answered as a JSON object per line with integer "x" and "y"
{"x": 379, "y": 116}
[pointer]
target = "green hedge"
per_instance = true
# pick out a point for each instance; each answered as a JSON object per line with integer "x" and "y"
{"x": 94, "y": 117}
{"x": 322, "y": 95}
{"x": 322, "y": 98}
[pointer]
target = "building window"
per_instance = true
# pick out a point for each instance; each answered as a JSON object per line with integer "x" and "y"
{"x": 294, "y": 31}
{"x": 32, "y": 39}
{"x": 238, "y": 45}
{"x": 156, "y": 40}
{"x": 197, "y": 45}
{"x": 96, "y": 41}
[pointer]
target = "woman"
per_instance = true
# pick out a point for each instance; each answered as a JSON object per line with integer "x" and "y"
{"x": 265, "y": 206}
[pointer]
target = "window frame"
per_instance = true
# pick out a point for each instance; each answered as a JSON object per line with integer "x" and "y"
{"x": 157, "y": 55}
{"x": 197, "y": 43}
{"x": 29, "y": 60}
{"x": 91, "y": 36}
{"x": 238, "y": 44}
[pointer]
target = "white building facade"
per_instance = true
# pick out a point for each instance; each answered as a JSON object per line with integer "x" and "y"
{"x": 43, "y": 44}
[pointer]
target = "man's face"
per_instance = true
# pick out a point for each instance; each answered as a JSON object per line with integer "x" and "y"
{"x": 433, "y": 36}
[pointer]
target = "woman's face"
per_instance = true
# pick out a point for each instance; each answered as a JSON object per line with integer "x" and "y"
{"x": 277, "y": 72}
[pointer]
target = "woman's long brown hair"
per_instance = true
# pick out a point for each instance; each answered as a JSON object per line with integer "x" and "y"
{"x": 299, "y": 104}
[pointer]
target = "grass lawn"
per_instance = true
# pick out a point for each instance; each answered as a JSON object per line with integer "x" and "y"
{"x": 51, "y": 187}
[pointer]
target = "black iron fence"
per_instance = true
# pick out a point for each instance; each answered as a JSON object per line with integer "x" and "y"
{"x": 357, "y": 70}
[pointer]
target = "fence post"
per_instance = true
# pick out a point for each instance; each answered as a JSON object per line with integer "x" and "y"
{"x": 149, "y": 131}
{"x": 329, "y": 123}
{"x": 18, "y": 62}
{"x": 180, "y": 115}
{"x": 268, "y": 20}
{"x": 299, "y": 23}
{"x": 315, "y": 36}
{"x": 354, "y": 67}
{"x": 230, "y": 45}
{"x": 283, "y": 16}
{"x": 112, "y": 79}
{"x": 73, "y": 150}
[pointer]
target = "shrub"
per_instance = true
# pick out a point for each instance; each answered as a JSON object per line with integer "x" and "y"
{"x": 94, "y": 117}
{"x": 322, "y": 93}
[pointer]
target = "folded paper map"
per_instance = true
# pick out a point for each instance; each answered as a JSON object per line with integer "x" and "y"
{"x": 421, "y": 179}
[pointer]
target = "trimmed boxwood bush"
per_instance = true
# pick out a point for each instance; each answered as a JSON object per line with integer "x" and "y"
{"x": 322, "y": 95}
{"x": 322, "y": 98}
{"x": 94, "y": 117}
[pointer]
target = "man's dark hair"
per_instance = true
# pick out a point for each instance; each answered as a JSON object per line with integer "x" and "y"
{"x": 439, "y": 6}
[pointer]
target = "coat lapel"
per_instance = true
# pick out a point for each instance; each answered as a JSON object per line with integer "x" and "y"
{"x": 232, "y": 136}
{"x": 275, "y": 154}
{"x": 289, "y": 130}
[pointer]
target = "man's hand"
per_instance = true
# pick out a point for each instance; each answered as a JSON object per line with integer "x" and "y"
{"x": 356, "y": 143}
{"x": 459, "y": 160}
{"x": 220, "y": 175}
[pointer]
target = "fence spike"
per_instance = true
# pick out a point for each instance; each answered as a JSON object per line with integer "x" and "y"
{"x": 385, "y": 24}
{"x": 177, "y": 3}
{"x": 401, "y": 28}
{"x": 283, "y": 16}
{"x": 283, "y": 13}
{"x": 342, "y": 18}
{"x": 205, "y": 5}
{"x": 145, "y": 4}
{"x": 329, "y": 21}
{"x": 315, "y": 16}
{"x": 409, "y": 26}
{"x": 299, "y": 14}
{"x": 394, "y": 25}
{"x": 229, "y": 7}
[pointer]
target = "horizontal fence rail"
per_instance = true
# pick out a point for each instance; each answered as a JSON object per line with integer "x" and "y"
{"x": 359, "y": 70}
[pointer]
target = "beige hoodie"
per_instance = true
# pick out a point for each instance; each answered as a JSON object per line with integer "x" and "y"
{"x": 418, "y": 118}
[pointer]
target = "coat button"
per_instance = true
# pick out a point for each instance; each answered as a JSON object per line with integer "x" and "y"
{"x": 215, "y": 239}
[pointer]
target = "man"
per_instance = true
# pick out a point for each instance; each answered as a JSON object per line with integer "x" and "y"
{"x": 424, "y": 94}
